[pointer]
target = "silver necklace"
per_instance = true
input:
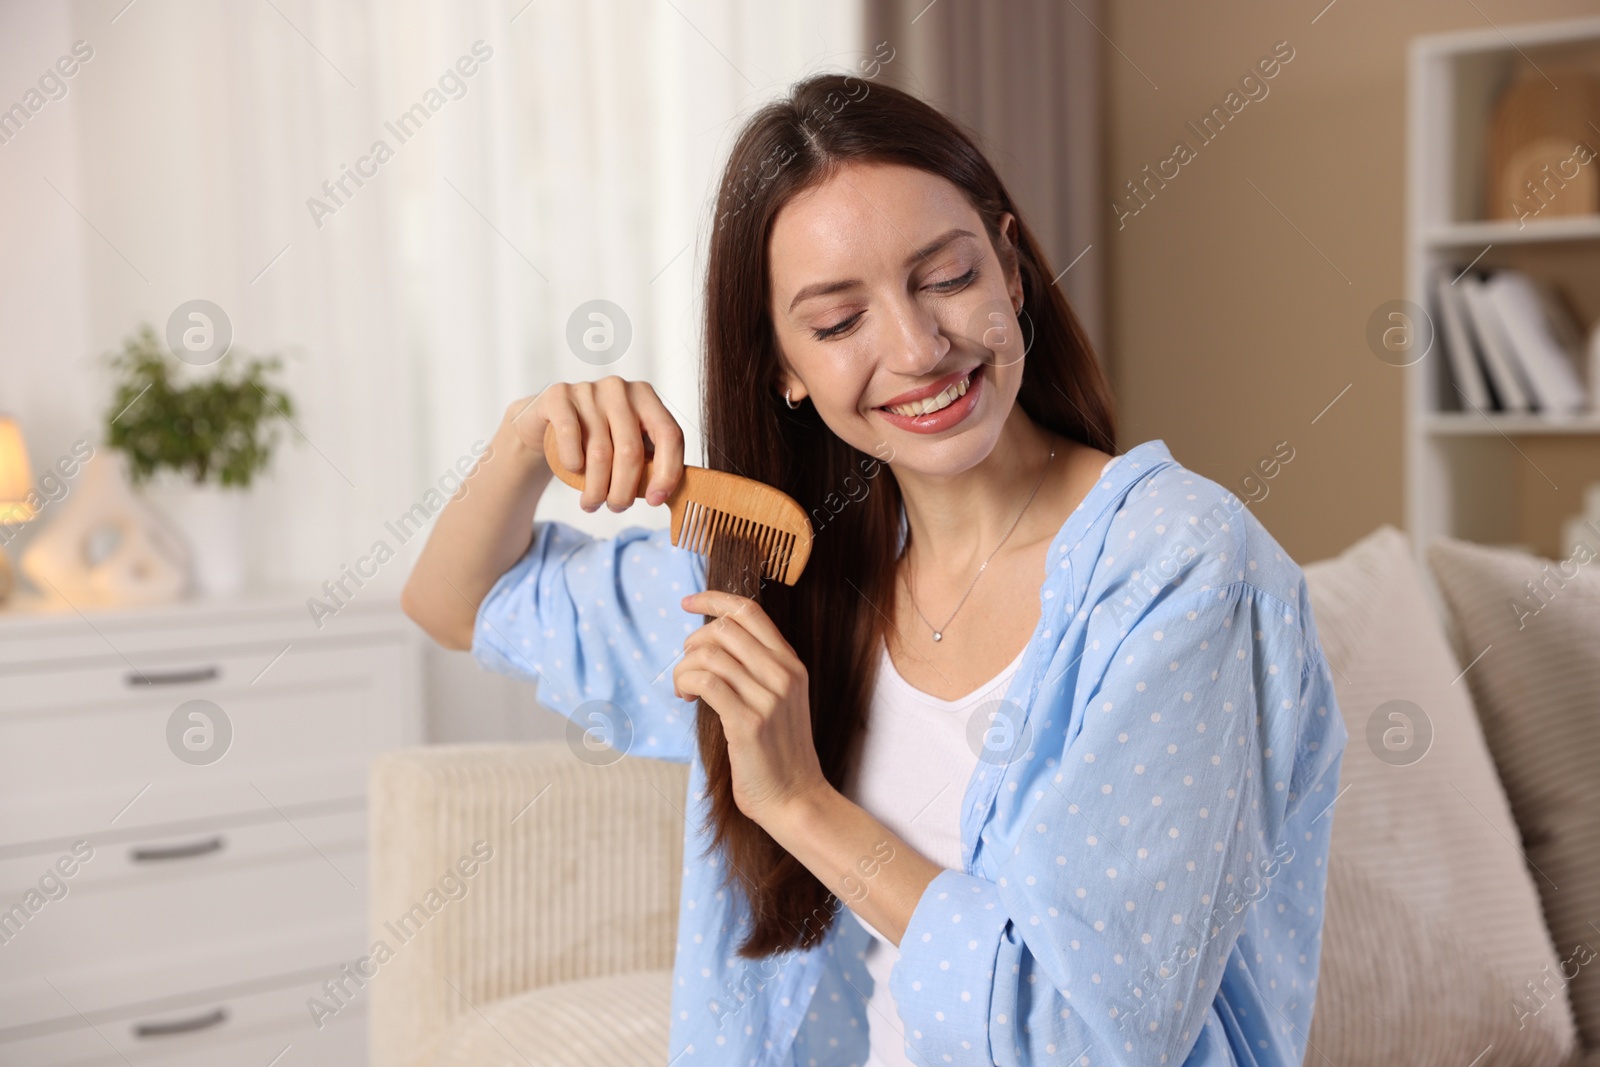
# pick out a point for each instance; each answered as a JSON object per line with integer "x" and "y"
{"x": 938, "y": 631}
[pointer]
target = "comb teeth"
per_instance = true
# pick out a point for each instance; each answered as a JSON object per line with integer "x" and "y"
{"x": 702, "y": 524}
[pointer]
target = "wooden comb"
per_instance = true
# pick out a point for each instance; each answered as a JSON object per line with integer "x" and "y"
{"x": 707, "y": 503}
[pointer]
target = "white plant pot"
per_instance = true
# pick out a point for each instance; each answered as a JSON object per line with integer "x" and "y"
{"x": 212, "y": 522}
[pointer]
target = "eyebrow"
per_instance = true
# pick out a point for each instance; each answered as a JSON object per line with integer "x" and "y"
{"x": 825, "y": 288}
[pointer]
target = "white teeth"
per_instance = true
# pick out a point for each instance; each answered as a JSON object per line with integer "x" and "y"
{"x": 933, "y": 403}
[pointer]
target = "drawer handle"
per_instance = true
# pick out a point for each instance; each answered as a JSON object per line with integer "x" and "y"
{"x": 188, "y": 677}
{"x": 177, "y": 852}
{"x": 214, "y": 1017}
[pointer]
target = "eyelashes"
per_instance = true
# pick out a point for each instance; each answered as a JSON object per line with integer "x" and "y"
{"x": 949, "y": 286}
{"x": 955, "y": 283}
{"x": 835, "y": 330}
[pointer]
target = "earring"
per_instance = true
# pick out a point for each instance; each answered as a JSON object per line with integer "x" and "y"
{"x": 792, "y": 405}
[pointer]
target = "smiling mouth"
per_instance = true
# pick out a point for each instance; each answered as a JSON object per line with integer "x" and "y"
{"x": 937, "y": 402}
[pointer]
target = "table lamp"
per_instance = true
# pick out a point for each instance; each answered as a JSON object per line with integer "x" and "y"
{"x": 16, "y": 486}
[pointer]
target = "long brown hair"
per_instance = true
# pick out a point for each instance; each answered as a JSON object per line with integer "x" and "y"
{"x": 834, "y": 615}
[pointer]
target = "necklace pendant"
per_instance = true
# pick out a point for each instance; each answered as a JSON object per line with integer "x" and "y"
{"x": 937, "y": 636}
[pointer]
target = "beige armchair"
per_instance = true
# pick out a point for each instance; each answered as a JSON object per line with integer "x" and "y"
{"x": 555, "y": 949}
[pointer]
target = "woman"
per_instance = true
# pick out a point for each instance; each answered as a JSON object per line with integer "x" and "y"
{"x": 1053, "y": 723}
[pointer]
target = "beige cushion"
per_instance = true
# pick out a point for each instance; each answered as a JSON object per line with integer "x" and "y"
{"x": 1433, "y": 922}
{"x": 1537, "y": 691}
{"x": 620, "y": 1020}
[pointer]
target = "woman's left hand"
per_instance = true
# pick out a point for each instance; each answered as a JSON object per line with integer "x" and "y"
{"x": 744, "y": 670}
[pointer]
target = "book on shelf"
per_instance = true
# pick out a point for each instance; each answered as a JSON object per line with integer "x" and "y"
{"x": 1510, "y": 384}
{"x": 1460, "y": 346}
{"x": 1543, "y": 337}
{"x": 1513, "y": 345}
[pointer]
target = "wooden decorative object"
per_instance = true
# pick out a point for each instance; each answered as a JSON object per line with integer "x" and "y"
{"x": 105, "y": 546}
{"x": 1541, "y": 151}
{"x": 708, "y": 502}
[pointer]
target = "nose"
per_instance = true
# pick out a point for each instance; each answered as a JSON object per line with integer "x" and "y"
{"x": 916, "y": 343}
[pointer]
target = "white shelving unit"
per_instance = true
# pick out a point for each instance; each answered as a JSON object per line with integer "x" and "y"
{"x": 1464, "y": 468}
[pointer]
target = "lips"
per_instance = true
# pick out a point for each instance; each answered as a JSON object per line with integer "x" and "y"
{"x": 968, "y": 392}
{"x": 932, "y": 397}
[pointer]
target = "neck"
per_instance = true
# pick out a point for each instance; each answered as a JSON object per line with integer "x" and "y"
{"x": 957, "y": 520}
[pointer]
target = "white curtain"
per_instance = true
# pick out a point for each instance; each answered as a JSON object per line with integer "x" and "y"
{"x": 575, "y": 162}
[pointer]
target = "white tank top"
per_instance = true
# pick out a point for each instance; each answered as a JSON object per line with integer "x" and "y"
{"x": 916, "y": 761}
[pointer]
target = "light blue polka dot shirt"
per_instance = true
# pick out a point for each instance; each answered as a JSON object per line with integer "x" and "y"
{"x": 1142, "y": 872}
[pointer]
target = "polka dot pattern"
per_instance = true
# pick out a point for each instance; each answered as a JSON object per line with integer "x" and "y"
{"x": 588, "y": 619}
{"x": 1152, "y": 866}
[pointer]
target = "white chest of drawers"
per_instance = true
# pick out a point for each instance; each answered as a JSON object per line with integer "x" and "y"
{"x": 177, "y": 882}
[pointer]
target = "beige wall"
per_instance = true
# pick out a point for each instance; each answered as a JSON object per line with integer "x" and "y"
{"x": 1229, "y": 332}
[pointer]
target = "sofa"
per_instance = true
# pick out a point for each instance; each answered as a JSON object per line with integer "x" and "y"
{"x": 1463, "y": 884}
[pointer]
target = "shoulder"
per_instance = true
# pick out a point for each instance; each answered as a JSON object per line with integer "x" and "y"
{"x": 1173, "y": 530}
{"x": 1173, "y": 527}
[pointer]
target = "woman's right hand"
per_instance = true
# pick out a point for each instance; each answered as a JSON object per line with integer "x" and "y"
{"x": 600, "y": 430}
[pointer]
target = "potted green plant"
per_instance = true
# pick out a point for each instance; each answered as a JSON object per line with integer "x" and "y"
{"x": 195, "y": 442}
